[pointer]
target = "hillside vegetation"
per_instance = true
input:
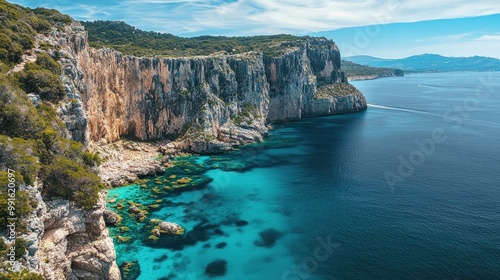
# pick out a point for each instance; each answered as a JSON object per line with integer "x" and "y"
{"x": 19, "y": 25}
{"x": 357, "y": 70}
{"x": 130, "y": 40}
{"x": 33, "y": 144}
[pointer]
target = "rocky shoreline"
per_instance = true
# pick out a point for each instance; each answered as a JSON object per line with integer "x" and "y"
{"x": 209, "y": 104}
{"x": 125, "y": 161}
{"x": 386, "y": 74}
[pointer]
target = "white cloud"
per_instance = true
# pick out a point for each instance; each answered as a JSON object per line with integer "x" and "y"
{"x": 273, "y": 16}
{"x": 489, "y": 38}
{"x": 245, "y": 17}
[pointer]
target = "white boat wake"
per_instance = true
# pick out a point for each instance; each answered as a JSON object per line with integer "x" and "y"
{"x": 405, "y": 110}
{"x": 466, "y": 120}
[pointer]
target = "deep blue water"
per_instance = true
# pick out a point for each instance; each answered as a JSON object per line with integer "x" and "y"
{"x": 409, "y": 189}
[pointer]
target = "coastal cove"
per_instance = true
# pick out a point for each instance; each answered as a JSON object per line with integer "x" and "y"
{"x": 258, "y": 152}
{"x": 329, "y": 183}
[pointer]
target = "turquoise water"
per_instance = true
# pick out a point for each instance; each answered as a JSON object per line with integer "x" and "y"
{"x": 408, "y": 189}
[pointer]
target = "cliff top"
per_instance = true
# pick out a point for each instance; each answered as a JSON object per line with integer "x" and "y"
{"x": 129, "y": 40}
{"x": 18, "y": 27}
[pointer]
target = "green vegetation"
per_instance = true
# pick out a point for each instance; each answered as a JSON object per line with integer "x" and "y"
{"x": 42, "y": 78}
{"x": 19, "y": 251}
{"x": 91, "y": 159}
{"x": 18, "y": 25}
{"x": 22, "y": 207}
{"x": 32, "y": 142}
{"x": 66, "y": 178}
{"x": 336, "y": 90}
{"x": 130, "y": 40}
{"x": 21, "y": 247}
{"x": 32, "y": 139}
{"x": 33, "y": 146}
{"x": 247, "y": 111}
{"x": 21, "y": 154}
{"x": 24, "y": 275}
{"x": 353, "y": 69}
{"x": 17, "y": 116}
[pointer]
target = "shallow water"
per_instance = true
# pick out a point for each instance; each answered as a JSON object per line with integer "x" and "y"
{"x": 391, "y": 201}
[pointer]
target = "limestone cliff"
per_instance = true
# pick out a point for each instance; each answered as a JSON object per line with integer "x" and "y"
{"x": 66, "y": 242}
{"x": 209, "y": 102}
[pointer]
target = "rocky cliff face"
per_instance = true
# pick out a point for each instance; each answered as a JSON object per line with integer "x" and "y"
{"x": 210, "y": 102}
{"x": 66, "y": 242}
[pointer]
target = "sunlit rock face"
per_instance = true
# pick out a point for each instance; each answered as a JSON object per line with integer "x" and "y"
{"x": 209, "y": 103}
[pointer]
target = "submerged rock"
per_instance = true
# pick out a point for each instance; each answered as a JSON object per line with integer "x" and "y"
{"x": 184, "y": 180}
{"x": 170, "y": 228}
{"x": 130, "y": 270}
{"x": 123, "y": 239}
{"x": 216, "y": 268}
{"x": 161, "y": 258}
{"x": 133, "y": 209}
{"x": 221, "y": 245}
{"x": 200, "y": 233}
{"x": 241, "y": 223}
{"x": 268, "y": 238}
{"x": 167, "y": 231}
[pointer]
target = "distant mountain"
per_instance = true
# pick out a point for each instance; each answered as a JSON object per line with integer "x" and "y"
{"x": 356, "y": 71}
{"x": 431, "y": 63}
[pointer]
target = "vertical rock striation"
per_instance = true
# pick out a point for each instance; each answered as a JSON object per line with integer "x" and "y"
{"x": 209, "y": 102}
{"x": 64, "y": 241}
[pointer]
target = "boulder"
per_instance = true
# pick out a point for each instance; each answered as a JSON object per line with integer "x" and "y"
{"x": 111, "y": 218}
{"x": 170, "y": 228}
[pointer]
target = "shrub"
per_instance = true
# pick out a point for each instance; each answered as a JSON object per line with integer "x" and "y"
{"x": 18, "y": 118}
{"x": 11, "y": 51}
{"x": 24, "y": 275}
{"x": 50, "y": 119}
{"x": 53, "y": 15}
{"x": 42, "y": 82}
{"x": 3, "y": 246}
{"x": 48, "y": 62}
{"x": 21, "y": 247}
{"x": 68, "y": 179}
{"x": 19, "y": 154}
{"x": 22, "y": 202}
{"x": 47, "y": 146}
{"x": 91, "y": 159}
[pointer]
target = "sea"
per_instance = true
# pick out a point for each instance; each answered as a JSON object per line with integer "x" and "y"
{"x": 408, "y": 189}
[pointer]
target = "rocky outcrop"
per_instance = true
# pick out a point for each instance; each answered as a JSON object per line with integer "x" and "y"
{"x": 170, "y": 228}
{"x": 66, "y": 242}
{"x": 382, "y": 74}
{"x": 126, "y": 160}
{"x": 111, "y": 218}
{"x": 209, "y": 103}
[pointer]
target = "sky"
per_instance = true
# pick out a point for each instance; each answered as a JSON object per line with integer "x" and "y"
{"x": 383, "y": 28}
